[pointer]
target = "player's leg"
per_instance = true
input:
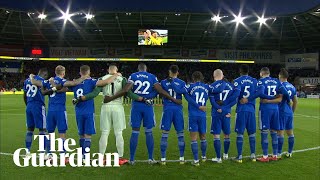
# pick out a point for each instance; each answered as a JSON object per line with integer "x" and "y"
{"x": 275, "y": 127}
{"x": 62, "y": 125}
{"x": 251, "y": 129}
{"x": 202, "y": 134}
{"x": 119, "y": 124}
{"x": 80, "y": 125}
{"x": 178, "y": 123}
{"x": 89, "y": 130}
{"x": 216, "y": 130}
{"x": 193, "y": 129}
{"x": 264, "y": 123}
{"x": 105, "y": 125}
{"x": 148, "y": 124}
{"x": 240, "y": 121}
{"x": 289, "y": 131}
{"x": 280, "y": 133}
{"x": 226, "y": 128}
{"x": 39, "y": 114}
{"x": 51, "y": 126}
{"x": 30, "y": 129}
{"x": 166, "y": 120}
{"x": 135, "y": 122}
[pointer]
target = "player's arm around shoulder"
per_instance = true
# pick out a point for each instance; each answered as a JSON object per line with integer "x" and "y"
{"x": 130, "y": 94}
{"x": 162, "y": 92}
{"x": 109, "y": 80}
{"x": 75, "y": 82}
{"x": 126, "y": 88}
{"x": 34, "y": 81}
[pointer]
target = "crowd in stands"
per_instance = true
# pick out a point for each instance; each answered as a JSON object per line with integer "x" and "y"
{"x": 98, "y": 69}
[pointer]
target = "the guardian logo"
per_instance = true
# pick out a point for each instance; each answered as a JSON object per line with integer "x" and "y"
{"x": 75, "y": 156}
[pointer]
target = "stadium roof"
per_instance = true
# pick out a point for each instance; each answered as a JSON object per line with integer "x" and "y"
{"x": 291, "y": 25}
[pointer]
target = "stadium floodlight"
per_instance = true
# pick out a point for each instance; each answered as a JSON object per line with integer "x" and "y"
{"x": 42, "y": 16}
{"x": 89, "y": 16}
{"x": 216, "y": 18}
{"x": 262, "y": 20}
{"x": 238, "y": 19}
{"x": 66, "y": 16}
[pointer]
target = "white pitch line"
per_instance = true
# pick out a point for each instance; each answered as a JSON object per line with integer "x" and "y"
{"x": 315, "y": 117}
{"x": 190, "y": 160}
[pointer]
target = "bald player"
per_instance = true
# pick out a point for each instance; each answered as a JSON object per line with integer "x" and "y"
{"x": 221, "y": 113}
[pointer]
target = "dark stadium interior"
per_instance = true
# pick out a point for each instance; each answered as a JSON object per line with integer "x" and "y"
{"x": 290, "y": 28}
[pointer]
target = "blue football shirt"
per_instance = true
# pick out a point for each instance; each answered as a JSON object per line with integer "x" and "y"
{"x": 199, "y": 92}
{"x": 166, "y": 85}
{"x": 87, "y": 86}
{"x": 247, "y": 86}
{"x": 143, "y": 83}
{"x": 284, "y": 107}
{"x": 33, "y": 92}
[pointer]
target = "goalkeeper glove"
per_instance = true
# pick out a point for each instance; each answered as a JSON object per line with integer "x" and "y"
{"x": 149, "y": 102}
{"x": 75, "y": 101}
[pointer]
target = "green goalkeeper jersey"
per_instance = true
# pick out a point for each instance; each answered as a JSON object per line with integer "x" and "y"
{"x": 112, "y": 88}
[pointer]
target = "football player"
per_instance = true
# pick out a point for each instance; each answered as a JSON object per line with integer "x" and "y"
{"x": 286, "y": 114}
{"x": 173, "y": 113}
{"x": 221, "y": 113}
{"x": 147, "y": 86}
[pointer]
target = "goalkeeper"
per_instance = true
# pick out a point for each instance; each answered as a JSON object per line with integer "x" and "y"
{"x": 112, "y": 113}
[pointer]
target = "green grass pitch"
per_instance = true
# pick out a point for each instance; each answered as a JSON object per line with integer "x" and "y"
{"x": 303, "y": 165}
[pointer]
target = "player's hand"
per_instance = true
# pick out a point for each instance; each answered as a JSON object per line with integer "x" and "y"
{"x": 228, "y": 115}
{"x": 219, "y": 110}
{"x": 169, "y": 79}
{"x": 107, "y": 99}
{"x": 149, "y": 102}
{"x": 243, "y": 100}
{"x": 203, "y": 108}
{"x": 220, "y": 103}
{"x": 75, "y": 101}
{"x": 31, "y": 76}
{"x": 51, "y": 80}
{"x": 178, "y": 101}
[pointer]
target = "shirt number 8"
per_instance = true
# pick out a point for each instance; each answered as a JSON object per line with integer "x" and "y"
{"x": 79, "y": 93}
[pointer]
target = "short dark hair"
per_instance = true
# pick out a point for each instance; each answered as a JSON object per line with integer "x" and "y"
{"x": 284, "y": 73}
{"x": 197, "y": 76}
{"x": 43, "y": 70}
{"x": 265, "y": 70}
{"x": 84, "y": 69}
{"x": 244, "y": 69}
{"x": 174, "y": 69}
{"x": 142, "y": 67}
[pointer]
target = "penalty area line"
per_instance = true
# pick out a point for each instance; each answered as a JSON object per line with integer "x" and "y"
{"x": 190, "y": 160}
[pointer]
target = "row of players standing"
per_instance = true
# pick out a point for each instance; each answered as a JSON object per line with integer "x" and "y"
{"x": 223, "y": 95}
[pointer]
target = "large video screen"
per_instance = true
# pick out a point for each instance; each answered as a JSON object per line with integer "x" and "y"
{"x": 152, "y": 37}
